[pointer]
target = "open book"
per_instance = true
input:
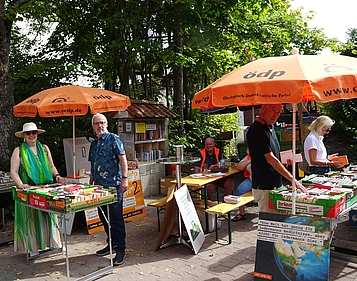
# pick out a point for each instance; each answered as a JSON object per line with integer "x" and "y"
{"x": 343, "y": 159}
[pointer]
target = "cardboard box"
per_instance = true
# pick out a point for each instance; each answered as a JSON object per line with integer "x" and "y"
{"x": 37, "y": 200}
{"x": 20, "y": 195}
{"x": 165, "y": 183}
{"x": 288, "y": 136}
{"x": 330, "y": 207}
{"x": 42, "y": 198}
{"x": 304, "y": 131}
{"x": 62, "y": 205}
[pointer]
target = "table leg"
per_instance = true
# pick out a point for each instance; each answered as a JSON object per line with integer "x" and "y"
{"x": 110, "y": 237}
{"x": 65, "y": 243}
{"x": 92, "y": 276}
{"x": 206, "y": 207}
{"x": 27, "y": 216}
{"x": 107, "y": 218}
{"x": 106, "y": 270}
{"x": 3, "y": 217}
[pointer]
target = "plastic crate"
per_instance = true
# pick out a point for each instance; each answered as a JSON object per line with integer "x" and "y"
{"x": 329, "y": 208}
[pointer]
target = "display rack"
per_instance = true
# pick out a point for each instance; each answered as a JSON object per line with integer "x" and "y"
{"x": 50, "y": 201}
{"x": 143, "y": 129}
{"x": 144, "y": 140}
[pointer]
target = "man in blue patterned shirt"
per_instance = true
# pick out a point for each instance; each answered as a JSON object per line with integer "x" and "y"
{"x": 109, "y": 168}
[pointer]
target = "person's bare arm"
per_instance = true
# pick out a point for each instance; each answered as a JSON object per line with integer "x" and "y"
{"x": 90, "y": 178}
{"x": 14, "y": 168}
{"x": 124, "y": 169}
{"x": 243, "y": 164}
{"x": 279, "y": 167}
{"x": 315, "y": 162}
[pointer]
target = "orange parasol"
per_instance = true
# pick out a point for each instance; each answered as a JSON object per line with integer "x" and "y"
{"x": 289, "y": 79}
{"x": 71, "y": 100}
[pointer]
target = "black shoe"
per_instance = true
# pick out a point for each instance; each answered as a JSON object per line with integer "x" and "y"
{"x": 119, "y": 258}
{"x": 103, "y": 252}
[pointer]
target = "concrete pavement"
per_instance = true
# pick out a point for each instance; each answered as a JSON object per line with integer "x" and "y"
{"x": 213, "y": 261}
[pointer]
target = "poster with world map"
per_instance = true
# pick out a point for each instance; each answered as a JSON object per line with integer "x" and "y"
{"x": 291, "y": 247}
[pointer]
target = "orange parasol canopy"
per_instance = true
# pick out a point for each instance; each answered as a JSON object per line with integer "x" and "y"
{"x": 289, "y": 79}
{"x": 71, "y": 100}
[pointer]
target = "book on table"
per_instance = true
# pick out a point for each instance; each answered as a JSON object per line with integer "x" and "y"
{"x": 233, "y": 199}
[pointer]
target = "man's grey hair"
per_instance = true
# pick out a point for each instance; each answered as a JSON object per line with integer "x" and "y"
{"x": 99, "y": 114}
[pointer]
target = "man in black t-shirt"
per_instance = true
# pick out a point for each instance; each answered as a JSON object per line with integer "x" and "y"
{"x": 264, "y": 149}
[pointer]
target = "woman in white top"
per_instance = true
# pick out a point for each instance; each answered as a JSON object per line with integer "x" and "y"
{"x": 315, "y": 151}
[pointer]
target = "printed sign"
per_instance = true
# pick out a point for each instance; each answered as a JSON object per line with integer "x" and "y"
{"x": 140, "y": 127}
{"x": 94, "y": 224}
{"x": 150, "y": 126}
{"x": 289, "y": 246}
{"x": 133, "y": 201}
{"x": 190, "y": 217}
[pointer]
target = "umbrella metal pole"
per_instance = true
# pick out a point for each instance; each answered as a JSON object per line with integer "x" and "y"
{"x": 293, "y": 197}
{"x": 74, "y": 146}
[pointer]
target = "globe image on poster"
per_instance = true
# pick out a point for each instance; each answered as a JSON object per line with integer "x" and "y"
{"x": 298, "y": 256}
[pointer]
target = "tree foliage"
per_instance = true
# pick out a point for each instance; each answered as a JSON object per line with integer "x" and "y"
{"x": 344, "y": 112}
{"x": 146, "y": 49}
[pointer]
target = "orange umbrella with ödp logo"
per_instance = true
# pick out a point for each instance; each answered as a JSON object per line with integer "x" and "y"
{"x": 71, "y": 100}
{"x": 289, "y": 79}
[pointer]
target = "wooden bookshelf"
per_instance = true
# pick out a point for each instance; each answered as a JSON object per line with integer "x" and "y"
{"x": 145, "y": 139}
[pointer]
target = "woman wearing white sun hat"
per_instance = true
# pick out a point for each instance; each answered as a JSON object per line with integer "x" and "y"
{"x": 32, "y": 165}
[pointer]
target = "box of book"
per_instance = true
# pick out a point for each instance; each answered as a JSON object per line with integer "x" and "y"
{"x": 322, "y": 203}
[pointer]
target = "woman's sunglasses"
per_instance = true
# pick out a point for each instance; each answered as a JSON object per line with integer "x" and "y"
{"x": 31, "y": 133}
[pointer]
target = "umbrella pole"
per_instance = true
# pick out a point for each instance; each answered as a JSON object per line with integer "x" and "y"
{"x": 74, "y": 146}
{"x": 293, "y": 197}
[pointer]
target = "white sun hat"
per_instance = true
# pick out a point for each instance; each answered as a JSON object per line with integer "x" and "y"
{"x": 28, "y": 127}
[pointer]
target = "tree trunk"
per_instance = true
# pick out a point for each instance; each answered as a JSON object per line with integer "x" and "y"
{"x": 7, "y": 128}
{"x": 178, "y": 79}
{"x": 7, "y": 101}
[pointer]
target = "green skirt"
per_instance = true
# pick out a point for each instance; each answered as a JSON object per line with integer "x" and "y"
{"x": 42, "y": 231}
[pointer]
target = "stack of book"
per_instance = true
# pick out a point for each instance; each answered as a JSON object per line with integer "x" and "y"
{"x": 232, "y": 199}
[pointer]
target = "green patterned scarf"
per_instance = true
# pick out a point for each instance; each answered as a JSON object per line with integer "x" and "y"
{"x": 35, "y": 170}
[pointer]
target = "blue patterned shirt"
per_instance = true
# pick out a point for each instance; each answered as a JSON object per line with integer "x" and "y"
{"x": 105, "y": 164}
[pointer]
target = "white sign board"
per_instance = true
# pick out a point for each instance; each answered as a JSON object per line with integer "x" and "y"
{"x": 190, "y": 217}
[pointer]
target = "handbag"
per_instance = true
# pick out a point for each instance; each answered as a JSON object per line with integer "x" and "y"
{"x": 304, "y": 166}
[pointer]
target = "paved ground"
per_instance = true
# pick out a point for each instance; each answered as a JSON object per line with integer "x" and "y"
{"x": 213, "y": 262}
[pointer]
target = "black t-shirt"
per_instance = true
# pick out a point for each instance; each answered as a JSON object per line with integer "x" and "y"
{"x": 261, "y": 140}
